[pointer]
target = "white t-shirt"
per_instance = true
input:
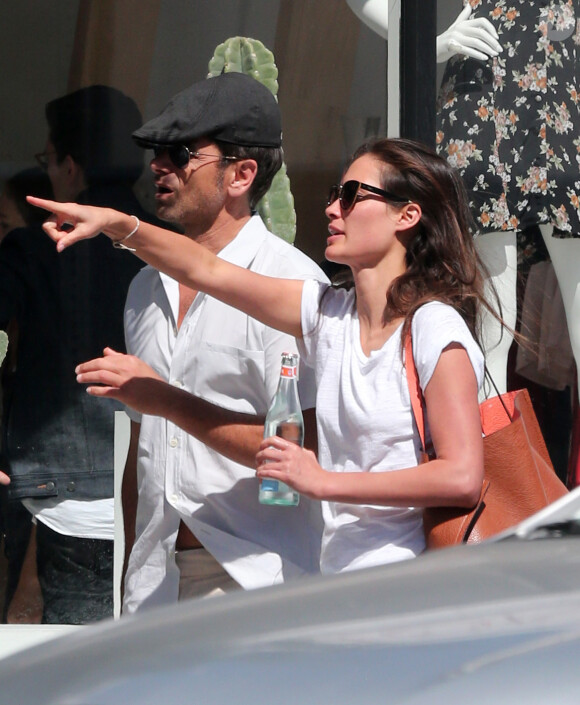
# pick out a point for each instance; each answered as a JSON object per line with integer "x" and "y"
{"x": 365, "y": 421}
{"x": 221, "y": 355}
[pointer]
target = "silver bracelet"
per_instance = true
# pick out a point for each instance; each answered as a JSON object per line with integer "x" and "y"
{"x": 119, "y": 243}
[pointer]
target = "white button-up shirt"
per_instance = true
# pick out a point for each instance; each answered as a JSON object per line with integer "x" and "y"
{"x": 229, "y": 359}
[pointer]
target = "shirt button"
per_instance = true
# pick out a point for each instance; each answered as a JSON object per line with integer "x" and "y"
{"x": 174, "y": 498}
{"x": 177, "y": 383}
{"x": 538, "y": 98}
{"x": 173, "y": 442}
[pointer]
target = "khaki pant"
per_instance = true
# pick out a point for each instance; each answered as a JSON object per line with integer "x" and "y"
{"x": 201, "y": 575}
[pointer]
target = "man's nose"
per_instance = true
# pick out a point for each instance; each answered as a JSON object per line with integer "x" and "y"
{"x": 160, "y": 162}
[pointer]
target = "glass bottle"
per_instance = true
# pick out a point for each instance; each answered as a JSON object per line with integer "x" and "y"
{"x": 284, "y": 419}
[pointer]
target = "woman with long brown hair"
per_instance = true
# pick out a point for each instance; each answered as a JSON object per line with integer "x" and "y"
{"x": 399, "y": 220}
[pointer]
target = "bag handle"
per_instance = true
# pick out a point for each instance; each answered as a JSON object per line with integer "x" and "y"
{"x": 499, "y": 394}
{"x": 416, "y": 395}
{"x": 415, "y": 391}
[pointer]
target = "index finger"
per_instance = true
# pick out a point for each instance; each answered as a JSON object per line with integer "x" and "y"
{"x": 69, "y": 222}
{"x": 464, "y": 14}
{"x": 61, "y": 216}
{"x": 45, "y": 203}
{"x": 98, "y": 363}
{"x": 276, "y": 442}
{"x": 482, "y": 27}
{"x": 60, "y": 210}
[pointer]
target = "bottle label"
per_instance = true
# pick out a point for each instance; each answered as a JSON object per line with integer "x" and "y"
{"x": 288, "y": 371}
{"x": 268, "y": 485}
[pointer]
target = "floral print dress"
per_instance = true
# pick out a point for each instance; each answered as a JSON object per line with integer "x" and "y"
{"x": 511, "y": 125}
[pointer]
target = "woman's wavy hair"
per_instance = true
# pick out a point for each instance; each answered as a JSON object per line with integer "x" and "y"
{"x": 442, "y": 262}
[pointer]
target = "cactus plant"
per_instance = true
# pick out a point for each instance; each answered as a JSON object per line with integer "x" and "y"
{"x": 251, "y": 57}
{"x": 3, "y": 345}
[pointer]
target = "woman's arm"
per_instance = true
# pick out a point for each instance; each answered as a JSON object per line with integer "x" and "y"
{"x": 275, "y": 302}
{"x": 453, "y": 479}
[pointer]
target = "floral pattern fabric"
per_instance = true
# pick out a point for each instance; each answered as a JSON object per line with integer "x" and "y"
{"x": 511, "y": 125}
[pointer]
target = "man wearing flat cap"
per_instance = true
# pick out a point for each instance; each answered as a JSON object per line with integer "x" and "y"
{"x": 197, "y": 527}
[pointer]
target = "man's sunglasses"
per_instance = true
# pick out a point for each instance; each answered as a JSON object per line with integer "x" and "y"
{"x": 349, "y": 193}
{"x": 180, "y": 155}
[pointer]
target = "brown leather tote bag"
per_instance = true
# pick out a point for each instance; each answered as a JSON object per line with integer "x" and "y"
{"x": 519, "y": 478}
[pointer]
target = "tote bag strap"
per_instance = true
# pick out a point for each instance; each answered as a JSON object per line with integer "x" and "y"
{"x": 416, "y": 394}
{"x": 415, "y": 391}
{"x": 499, "y": 395}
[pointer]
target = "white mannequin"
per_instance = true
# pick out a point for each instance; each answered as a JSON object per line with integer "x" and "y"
{"x": 478, "y": 39}
{"x": 565, "y": 256}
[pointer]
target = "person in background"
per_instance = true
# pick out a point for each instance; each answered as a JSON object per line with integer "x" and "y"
{"x": 58, "y": 443}
{"x": 22, "y": 596}
{"x": 15, "y": 211}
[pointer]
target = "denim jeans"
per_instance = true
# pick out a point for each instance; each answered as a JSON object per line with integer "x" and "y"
{"x": 76, "y": 577}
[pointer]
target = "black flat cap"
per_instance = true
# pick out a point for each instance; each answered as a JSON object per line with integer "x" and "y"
{"x": 231, "y": 107}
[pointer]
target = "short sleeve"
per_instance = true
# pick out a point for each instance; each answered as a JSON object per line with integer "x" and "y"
{"x": 312, "y": 292}
{"x": 435, "y": 326}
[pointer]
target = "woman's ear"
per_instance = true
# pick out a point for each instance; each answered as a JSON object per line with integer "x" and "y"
{"x": 409, "y": 215}
{"x": 242, "y": 176}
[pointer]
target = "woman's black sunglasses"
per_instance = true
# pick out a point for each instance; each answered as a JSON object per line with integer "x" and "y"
{"x": 349, "y": 193}
{"x": 180, "y": 155}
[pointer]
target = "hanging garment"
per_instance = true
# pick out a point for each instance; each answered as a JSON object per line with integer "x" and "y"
{"x": 511, "y": 124}
{"x": 550, "y": 362}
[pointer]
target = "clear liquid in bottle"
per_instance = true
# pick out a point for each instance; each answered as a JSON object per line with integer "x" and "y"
{"x": 284, "y": 419}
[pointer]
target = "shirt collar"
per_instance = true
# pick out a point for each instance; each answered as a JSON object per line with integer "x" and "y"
{"x": 241, "y": 251}
{"x": 247, "y": 243}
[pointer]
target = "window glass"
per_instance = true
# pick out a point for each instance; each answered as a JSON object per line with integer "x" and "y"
{"x": 332, "y": 92}
{"x": 508, "y": 119}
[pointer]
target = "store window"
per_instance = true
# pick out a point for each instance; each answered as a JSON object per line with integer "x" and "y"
{"x": 332, "y": 93}
{"x": 507, "y": 117}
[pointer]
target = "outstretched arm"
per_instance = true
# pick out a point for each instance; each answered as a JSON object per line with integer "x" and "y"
{"x": 275, "y": 302}
{"x": 475, "y": 38}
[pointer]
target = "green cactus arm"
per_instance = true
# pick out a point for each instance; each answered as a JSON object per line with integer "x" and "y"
{"x": 3, "y": 346}
{"x": 251, "y": 57}
{"x": 247, "y": 56}
{"x": 276, "y": 208}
